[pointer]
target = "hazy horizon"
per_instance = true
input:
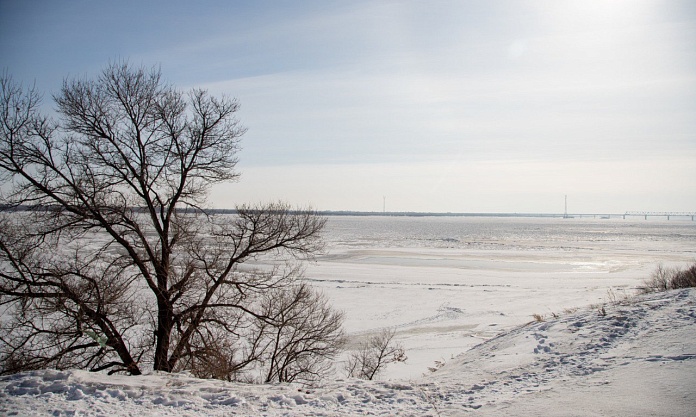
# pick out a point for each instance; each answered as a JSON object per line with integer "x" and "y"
{"x": 442, "y": 106}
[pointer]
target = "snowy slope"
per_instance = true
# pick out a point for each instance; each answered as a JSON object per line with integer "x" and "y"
{"x": 632, "y": 358}
{"x": 635, "y": 358}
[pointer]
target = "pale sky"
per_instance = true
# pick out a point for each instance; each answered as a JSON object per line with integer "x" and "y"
{"x": 441, "y": 106}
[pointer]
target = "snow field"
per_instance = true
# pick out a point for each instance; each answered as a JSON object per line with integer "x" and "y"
{"x": 446, "y": 284}
{"x": 464, "y": 298}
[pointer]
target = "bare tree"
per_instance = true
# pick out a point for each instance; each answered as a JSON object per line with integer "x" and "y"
{"x": 374, "y": 354}
{"x": 107, "y": 258}
{"x": 294, "y": 339}
{"x": 304, "y": 334}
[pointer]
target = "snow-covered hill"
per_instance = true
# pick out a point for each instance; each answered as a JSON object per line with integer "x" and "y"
{"x": 631, "y": 358}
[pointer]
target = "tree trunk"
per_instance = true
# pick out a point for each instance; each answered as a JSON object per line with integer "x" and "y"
{"x": 162, "y": 335}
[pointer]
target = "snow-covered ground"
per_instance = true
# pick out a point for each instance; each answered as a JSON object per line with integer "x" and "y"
{"x": 446, "y": 284}
{"x": 635, "y": 357}
{"x": 459, "y": 291}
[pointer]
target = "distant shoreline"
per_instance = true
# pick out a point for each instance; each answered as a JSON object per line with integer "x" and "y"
{"x": 448, "y": 214}
{"x": 629, "y": 214}
{"x": 603, "y": 216}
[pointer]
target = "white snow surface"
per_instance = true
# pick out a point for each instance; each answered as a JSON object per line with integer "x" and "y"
{"x": 453, "y": 285}
{"x": 635, "y": 357}
{"x": 447, "y": 284}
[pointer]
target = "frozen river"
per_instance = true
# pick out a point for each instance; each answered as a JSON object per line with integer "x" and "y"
{"x": 447, "y": 283}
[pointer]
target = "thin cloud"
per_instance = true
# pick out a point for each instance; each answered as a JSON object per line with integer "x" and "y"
{"x": 410, "y": 99}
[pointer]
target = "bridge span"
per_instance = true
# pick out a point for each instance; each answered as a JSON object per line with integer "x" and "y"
{"x": 667, "y": 214}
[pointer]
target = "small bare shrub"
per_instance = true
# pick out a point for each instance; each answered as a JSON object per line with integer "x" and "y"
{"x": 663, "y": 279}
{"x": 684, "y": 278}
{"x": 374, "y": 355}
{"x": 659, "y": 280}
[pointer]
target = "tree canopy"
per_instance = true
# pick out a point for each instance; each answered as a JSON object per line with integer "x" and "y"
{"x": 108, "y": 259}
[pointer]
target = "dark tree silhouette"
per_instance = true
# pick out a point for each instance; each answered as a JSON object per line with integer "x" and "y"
{"x": 107, "y": 258}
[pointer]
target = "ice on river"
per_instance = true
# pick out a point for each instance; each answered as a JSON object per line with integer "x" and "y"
{"x": 447, "y": 283}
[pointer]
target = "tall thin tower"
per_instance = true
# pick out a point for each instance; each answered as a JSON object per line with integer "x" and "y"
{"x": 565, "y": 213}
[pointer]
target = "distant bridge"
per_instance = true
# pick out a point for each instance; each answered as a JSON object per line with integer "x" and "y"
{"x": 667, "y": 214}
